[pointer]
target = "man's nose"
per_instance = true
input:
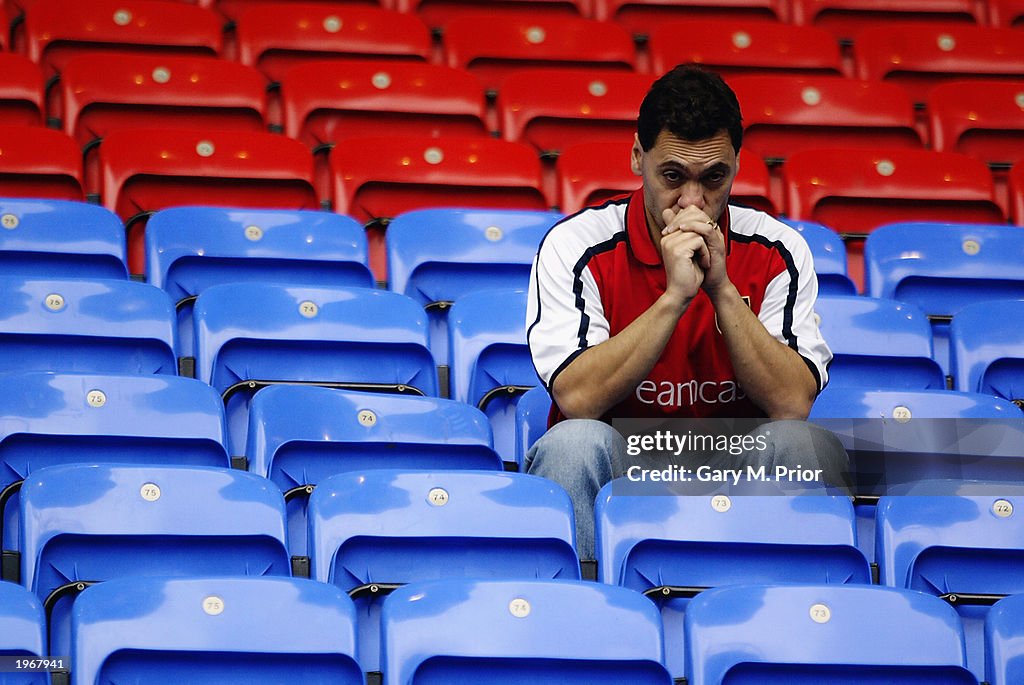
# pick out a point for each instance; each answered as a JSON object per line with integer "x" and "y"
{"x": 691, "y": 194}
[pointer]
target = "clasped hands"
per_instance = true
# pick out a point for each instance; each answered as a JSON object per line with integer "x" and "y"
{"x": 693, "y": 252}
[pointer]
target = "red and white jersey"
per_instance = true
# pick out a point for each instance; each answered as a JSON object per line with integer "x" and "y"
{"x": 598, "y": 270}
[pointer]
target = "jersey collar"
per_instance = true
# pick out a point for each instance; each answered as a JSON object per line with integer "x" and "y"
{"x": 640, "y": 238}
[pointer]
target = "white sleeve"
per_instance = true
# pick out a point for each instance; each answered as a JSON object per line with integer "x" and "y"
{"x": 788, "y": 310}
{"x": 564, "y": 313}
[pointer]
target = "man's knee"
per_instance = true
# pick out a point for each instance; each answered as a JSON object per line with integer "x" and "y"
{"x": 576, "y": 445}
{"x": 804, "y": 445}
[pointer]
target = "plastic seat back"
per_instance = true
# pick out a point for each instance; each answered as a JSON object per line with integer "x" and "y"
{"x": 689, "y": 542}
{"x": 59, "y": 418}
{"x": 811, "y": 634}
{"x": 40, "y": 163}
{"x": 490, "y": 360}
{"x": 437, "y": 256}
{"x": 23, "y": 627}
{"x": 492, "y": 50}
{"x": 966, "y": 549}
{"x": 45, "y": 238}
{"x": 944, "y": 267}
{"x": 300, "y": 435}
{"x": 544, "y": 631}
{"x": 215, "y": 630}
{"x": 192, "y": 248}
{"x": 921, "y": 56}
{"x": 846, "y": 18}
{"x": 734, "y": 48}
{"x": 554, "y": 108}
{"x": 1003, "y": 663}
{"x": 326, "y": 102}
{"x": 87, "y": 523}
{"x": 395, "y": 527}
{"x": 22, "y": 102}
{"x": 640, "y": 17}
{"x": 56, "y": 31}
{"x": 531, "y": 421}
{"x": 143, "y": 171}
{"x": 988, "y": 128}
{"x": 251, "y": 335}
{"x": 376, "y": 179}
{"x": 878, "y": 343}
{"x": 98, "y": 325}
{"x": 829, "y": 255}
{"x": 783, "y": 114}
{"x": 274, "y": 37}
{"x": 987, "y": 349}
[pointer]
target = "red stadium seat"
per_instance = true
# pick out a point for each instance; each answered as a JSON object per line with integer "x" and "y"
{"x": 233, "y": 9}
{"x": 274, "y": 37}
{"x": 921, "y": 56}
{"x": 785, "y": 114}
{"x": 39, "y": 162}
{"x": 492, "y": 49}
{"x": 984, "y": 119}
{"x": 324, "y": 102}
{"x": 855, "y": 191}
{"x": 102, "y": 93}
{"x": 1017, "y": 194}
{"x": 21, "y": 92}
{"x": 641, "y": 16}
{"x": 748, "y": 47}
{"x": 590, "y": 173}
{"x": 846, "y": 18}
{"x": 437, "y": 13}
{"x": 375, "y": 179}
{"x": 143, "y": 171}
{"x": 1006, "y": 13}
{"x": 56, "y": 30}
{"x": 554, "y": 109}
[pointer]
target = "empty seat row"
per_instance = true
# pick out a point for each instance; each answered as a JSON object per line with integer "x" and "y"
{"x": 275, "y": 36}
{"x": 536, "y": 629}
{"x": 373, "y": 531}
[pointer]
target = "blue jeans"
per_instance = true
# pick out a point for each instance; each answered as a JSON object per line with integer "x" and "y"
{"x": 582, "y": 455}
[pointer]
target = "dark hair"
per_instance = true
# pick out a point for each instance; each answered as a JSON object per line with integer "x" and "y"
{"x": 691, "y": 104}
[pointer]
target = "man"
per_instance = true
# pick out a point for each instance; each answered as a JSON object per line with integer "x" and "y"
{"x": 670, "y": 303}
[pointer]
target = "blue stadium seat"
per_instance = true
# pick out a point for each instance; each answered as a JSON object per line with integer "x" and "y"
{"x": 671, "y": 543}
{"x": 45, "y": 238}
{"x": 1004, "y": 646}
{"x": 944, "y": 267}
{"x": 82, "y": 524}
{"x": 987, "y": 349}
{"x": 300, "y": 434}
{"x": 436, "y": 256}
{"x": 531, "y": 420}
{"x": 840, "y": 635}
{"x": 214, "y": 630}
{"x": 966, "y": 549}
{"x": 491, "y": 366}
{"x": 900, "y": 436}
{"x": 251, "y": 335}
{"x": 829, "y": 254}
{"x": 50, "y": 418}
{"x": 101, "y": 326}
{"x": 527, "y": 631}
{"x": 22, "y": 632}
{"x": 372, "y": 531}
{"x": 878, "y": 343}
{"x": 188, "y": 249}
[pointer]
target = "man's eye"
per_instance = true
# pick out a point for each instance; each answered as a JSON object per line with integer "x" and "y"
{"x": 715, "y": 178}
{"x": 671, "y": 176}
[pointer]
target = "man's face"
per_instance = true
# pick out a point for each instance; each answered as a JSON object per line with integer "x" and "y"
{"x": 678, "y": 173}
